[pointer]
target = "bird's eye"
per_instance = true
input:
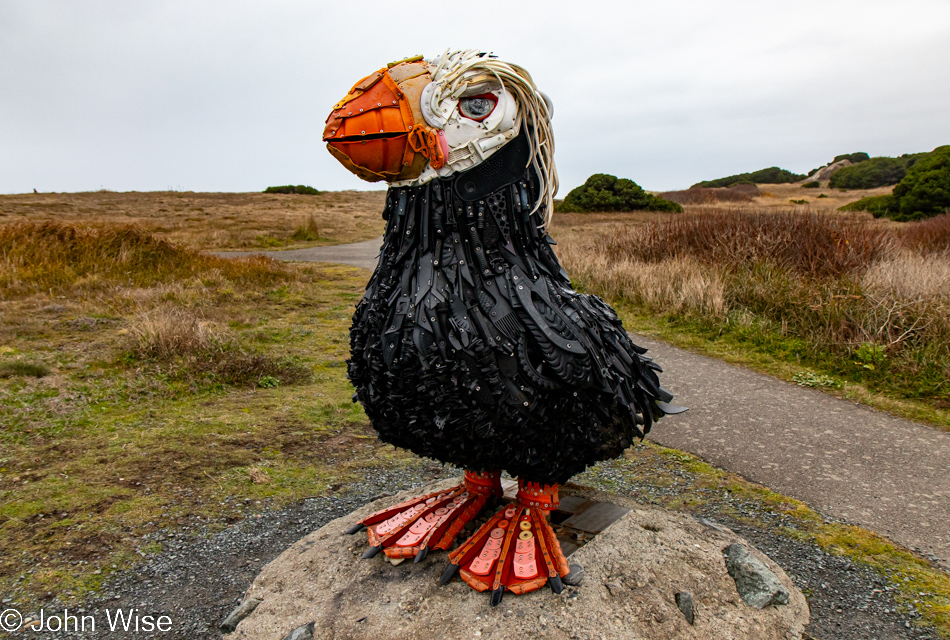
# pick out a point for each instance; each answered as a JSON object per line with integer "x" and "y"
{"x": 478, "y": 107}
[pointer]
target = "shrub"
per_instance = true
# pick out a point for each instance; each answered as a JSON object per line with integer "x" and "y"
{"x": 855, "y": 158}
{"x": 603, "y": 192}
{"x": 772, "y": 175}
{"x": 299, "y": 189}
{"x": 802, "y": 201}
{"x": 875, "y": 205}
{"x": 925, "y": 190}
{"x": 814, "y": 184}
{"x": 822, "y": 195}
{"x": 876, "y": 172}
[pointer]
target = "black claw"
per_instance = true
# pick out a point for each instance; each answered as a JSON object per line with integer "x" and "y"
{"x": 371, "y": 552}
{"x": 496, "y": 596}
{"x": 448, "y": 574}
{"x": 556, "y": 585}
{"x": 356, "y": 528}
{"x": 423, "y": 552}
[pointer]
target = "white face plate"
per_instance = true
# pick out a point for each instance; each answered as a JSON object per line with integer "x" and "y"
{"x": 470, "y": 141}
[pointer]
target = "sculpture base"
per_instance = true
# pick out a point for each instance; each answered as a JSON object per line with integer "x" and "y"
{"x": 646, "y": 573}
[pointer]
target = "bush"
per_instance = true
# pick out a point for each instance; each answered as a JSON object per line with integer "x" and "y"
{"x": 603, "y": 192}
{"x": 299, "y": 189}
{"x": 875, "y": 205}
{"x": 876, "y": 172}
{"x": 855, "y": 158}
{"x": 814, "y": 184}
{"x": 772, "y": 175}
{"x": 925, "y": 190}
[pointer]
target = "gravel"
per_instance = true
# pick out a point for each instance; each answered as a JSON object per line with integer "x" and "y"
{"x": 199, "y": 577}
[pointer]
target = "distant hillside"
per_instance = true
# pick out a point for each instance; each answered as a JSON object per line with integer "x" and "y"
{"x": 875, "y": 172}
{"x": 772, "y": 175}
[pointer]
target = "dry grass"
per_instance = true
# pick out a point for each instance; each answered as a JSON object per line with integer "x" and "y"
{"x": 678, "y": 284}
{"x": 844, "y": 292}
{"x": 808, "y": 243}
{"x": 700, "y": 195}
{"x": 172, "y": 332}
{"x": 40, "y": 257}
{"x": 928, "y": 236}
{"x": 211, "y": 220}
{"x": 168, "y": 377}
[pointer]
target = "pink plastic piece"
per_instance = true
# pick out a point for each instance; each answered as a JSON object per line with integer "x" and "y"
{"x": 483, "y": 564}
{"x": 524, "y": 564}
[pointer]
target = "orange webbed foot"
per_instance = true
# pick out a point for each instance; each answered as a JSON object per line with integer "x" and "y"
{"x": 516, "y": 550}
{"x": 413, "y": 527}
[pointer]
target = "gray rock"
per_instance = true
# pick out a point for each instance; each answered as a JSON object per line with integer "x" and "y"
{"x": 684, "y": 600}
{"x": 242, "y": 611}
{"x": 322, "y": 578}
{"x": 755, "y": 582}
{"x": 304, "y": 632}
{"x": 576, "y": 576}
{"x": 825, "y": 173}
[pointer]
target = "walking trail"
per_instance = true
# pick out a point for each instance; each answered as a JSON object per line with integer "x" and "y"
{"x": 847, "y": 461}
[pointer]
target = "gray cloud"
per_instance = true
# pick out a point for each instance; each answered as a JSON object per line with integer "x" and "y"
{"x": 232, "y": 96}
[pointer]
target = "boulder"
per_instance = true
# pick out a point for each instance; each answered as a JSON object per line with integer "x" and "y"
{"x": 633, "y": 572}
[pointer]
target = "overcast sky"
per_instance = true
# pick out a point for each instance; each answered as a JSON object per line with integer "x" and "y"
{"x": 231, "y": 96}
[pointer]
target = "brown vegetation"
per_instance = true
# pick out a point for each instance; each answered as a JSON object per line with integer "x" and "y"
{"x": 869, "y": 300}
{"x": 211, "y": 220}
{"x": 701, "y": 195}
{"x": 52, "y": 255}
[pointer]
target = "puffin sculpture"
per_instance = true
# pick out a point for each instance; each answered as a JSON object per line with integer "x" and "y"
{"x": 470, "y": 346}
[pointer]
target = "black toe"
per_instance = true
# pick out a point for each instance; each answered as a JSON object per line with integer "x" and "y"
{"x": 372, "y": 551}
{"x": 448, "y": 574}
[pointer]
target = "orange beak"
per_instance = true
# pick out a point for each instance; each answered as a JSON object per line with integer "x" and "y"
{"x": 378, "y": 132}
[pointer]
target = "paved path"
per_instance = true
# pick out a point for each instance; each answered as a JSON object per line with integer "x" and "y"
{"x": 883, "y": 473}
{"x": 359, "y": 254}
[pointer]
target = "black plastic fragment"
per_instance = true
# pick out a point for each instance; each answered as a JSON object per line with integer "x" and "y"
{"x": 496, "y": 596}
{"x": 371, "y": 552}
{"x": 423, "y": 552}
{"x": 472, "y": 348}
{"x": 448, "y": 574}
{"x": 556, "y": 585}
{"x": 356, "y": 528}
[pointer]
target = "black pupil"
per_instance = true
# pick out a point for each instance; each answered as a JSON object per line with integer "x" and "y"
{"x": 477, "y": 107}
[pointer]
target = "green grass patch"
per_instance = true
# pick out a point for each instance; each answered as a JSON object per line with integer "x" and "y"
{"x": 759, "y": 344}
{"x": 163, "y": 407}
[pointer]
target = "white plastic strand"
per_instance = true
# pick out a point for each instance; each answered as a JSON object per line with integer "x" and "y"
{"x": 456, "y": 70}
